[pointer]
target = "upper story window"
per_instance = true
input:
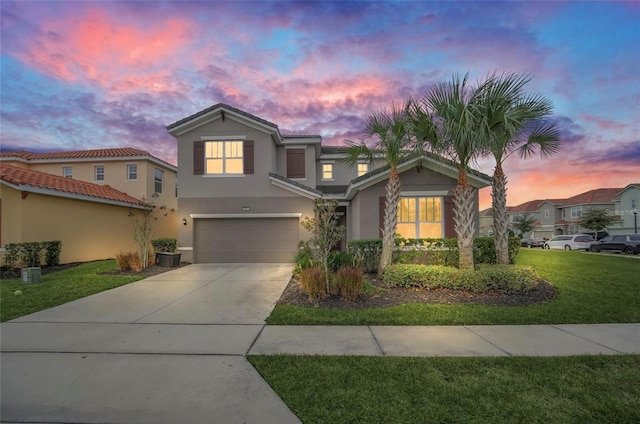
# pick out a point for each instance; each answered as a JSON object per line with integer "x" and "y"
{"x": 132, "y": 172}
{"x": 223, "y": 157}
{"x": 576, "y": 211}
{"x": 363, "y": 168}
{"x": 327, "y": 171}
{"x": 295, "y": 163}
{"x": 546, "y": 213}
{"x": 634, "y": 204}
{"x": 99, "y": 173}
{"x": 67, "y": 172}
{"x": 158, "y": 179}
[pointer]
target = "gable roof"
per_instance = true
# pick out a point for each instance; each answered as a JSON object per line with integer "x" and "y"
{"x": 221, "y": 110}
{"x": 27, "y": 180}
{"x": 84, "y": 155}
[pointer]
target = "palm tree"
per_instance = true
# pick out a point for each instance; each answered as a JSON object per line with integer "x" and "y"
{"x": 514, "y": 123}
{"x": 448, "y": 121}
{"x": 393, "y": 145}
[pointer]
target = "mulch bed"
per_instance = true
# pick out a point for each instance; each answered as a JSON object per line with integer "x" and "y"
{"x": 384, "y": 297}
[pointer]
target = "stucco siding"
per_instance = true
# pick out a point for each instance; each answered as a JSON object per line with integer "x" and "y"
{"x": 88, "y": 230}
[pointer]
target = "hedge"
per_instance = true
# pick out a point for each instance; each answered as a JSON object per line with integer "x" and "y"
{"x": 498, "y": 278}
{"x": 30, "y": 253}
{"x": 428, "y": 251}
{"x": 166, "y": 244}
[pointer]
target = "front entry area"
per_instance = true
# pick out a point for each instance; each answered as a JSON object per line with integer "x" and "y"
{"x": 246, "y": 240}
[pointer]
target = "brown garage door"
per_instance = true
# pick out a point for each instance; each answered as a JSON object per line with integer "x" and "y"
{"x": 246, "y": 240}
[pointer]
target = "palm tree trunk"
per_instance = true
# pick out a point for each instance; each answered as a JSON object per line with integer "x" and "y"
{"x": 463, "y": 217}
{"x": 499, "y": 205}
{"x": 390, "y": 219}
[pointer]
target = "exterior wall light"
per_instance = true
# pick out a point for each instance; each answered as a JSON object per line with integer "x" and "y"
{"x": 184, "y": 221}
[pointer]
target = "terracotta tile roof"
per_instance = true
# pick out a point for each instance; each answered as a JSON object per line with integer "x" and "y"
{"x": 599, "y": 195}
{"x": 119, "y": 152}
{"x": 530, "y": 206}
{"x": 22, "y": 177}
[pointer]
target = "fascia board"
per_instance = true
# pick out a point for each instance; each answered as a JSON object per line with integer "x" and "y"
{"x": 57, "y": 193}
{"x": 215, "y": 115}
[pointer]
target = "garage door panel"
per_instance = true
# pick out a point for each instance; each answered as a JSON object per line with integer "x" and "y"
{"x": 246, "y": 240}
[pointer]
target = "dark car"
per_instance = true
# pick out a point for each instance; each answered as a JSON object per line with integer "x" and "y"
{"x": 531, "y": 242}
{"x": 625, "y": 243}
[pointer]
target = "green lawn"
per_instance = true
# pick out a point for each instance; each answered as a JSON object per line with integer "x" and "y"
{"x": 57, "y": 288}
{"x": 591, "y": 288}
{"x": 579, "y": 389}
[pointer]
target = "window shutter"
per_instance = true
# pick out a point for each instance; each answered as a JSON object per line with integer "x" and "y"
{"x": 295, "y": 163}
{"x": 198, "y": 158}
{"x": 449, "y": 229}
{"x": 381, "y": 204}
{"x": 247, "y": 155}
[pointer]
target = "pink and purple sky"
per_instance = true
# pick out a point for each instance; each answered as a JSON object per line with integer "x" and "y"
{"x": 98, "y": 74}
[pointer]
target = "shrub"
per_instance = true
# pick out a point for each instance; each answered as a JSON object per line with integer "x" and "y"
{"x": 303, "y": 258}
{"x": 350, "y": 282}
{"x": 366, "y": 252}
{"x": 52, "y": 252}
{"x": 339, "y": 259}
{"x": 31, "y": 253}
{"x": 12, "y": 255}
{"x": 313, "y": 282}
{"x": 129, "y": 261}
{"x": 500, "y": 278}
{"x": 165, "y": 244}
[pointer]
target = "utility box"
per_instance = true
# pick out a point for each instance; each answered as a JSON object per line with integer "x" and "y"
{"x": 31, "y": 274}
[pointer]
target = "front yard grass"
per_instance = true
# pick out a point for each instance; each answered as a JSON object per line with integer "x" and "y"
{"x": 591, "y": 288}
{"x": 347, "y": 389}
{"x": 58, "y": 287}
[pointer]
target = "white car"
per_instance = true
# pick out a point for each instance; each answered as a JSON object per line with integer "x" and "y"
{"x": 570, "y": 242}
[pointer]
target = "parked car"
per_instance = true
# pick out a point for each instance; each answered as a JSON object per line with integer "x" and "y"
{"x": 531, "y": 242}
{"x": 625, "y": 243}
{"x": 570, "y": 242}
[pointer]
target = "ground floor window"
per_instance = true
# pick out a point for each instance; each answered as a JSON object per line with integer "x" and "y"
{"x": 420, "y": 217}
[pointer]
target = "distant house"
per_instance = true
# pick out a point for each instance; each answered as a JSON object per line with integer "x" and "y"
{"x": 627, "y": 208}
{"x": 562, "y": 216}
{"x": 128, "y": 176}
{"x": 92, "y": 221}
{"x": 245, "y": 188}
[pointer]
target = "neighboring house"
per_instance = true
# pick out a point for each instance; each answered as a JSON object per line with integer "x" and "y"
{"x": 132, "y": 171}
{"x": 562, "y": 216}
{"x": 486, "y": 223}
{"x": 627, "y": 208}
{"x": 245, "y": 188}
{"x": 91, "y": 220}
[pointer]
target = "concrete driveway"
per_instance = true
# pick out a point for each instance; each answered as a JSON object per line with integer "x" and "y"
{"x": 166, "y": 349}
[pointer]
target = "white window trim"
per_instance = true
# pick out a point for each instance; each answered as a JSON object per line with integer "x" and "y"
{"x": 322, "y": 164}
{"x": 224, "y": 157}
{"x": 70, "y": 168}
{"x": 417, "y": 221}
{"x": 546, "y": 213}
{"x": 95, "y": 173}
{"x": 161, "y": 181}
{"x": 224, "y": 138}
{"x": 128, "y": 173}
{"x": 362, "y": 163}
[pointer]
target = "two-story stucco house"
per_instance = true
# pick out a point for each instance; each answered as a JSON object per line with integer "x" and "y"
{"x": 245, "y": 188}
{"x": 627, "y": 208}
{"x": 83, "y": 198}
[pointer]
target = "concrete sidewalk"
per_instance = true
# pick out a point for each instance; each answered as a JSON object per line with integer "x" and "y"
{"x": 472, "y": 340}
{"x": 172, "y": 348}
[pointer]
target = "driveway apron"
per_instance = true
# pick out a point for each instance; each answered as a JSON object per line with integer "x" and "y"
{"x": 167, "y": 349}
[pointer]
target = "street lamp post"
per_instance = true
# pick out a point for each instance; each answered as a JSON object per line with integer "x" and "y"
{"x": 635, "y": 221}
